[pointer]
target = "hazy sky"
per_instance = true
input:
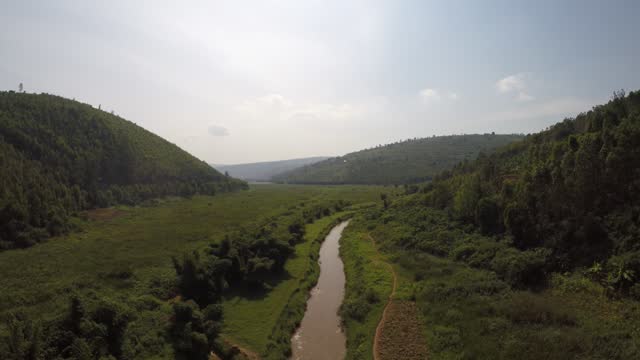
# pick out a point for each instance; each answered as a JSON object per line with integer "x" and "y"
{"x": 241, "y": 81}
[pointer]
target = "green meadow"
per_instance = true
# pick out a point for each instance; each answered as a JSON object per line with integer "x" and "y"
{"x": 125, "y": 254}
{"x": 369, "y": 284}
{"x": 469, "y": 312}
{"x": 249, "y": 321}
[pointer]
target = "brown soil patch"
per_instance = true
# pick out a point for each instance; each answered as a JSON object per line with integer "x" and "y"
{"x": 242, "y": 353}
{"x": 401, "y": 333}
{"x": 103, "y": 214}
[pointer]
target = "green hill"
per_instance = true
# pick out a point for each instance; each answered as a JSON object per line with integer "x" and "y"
{"x": 518, "y": 253}
{"x": 265, "y": 171}
{"x": 572, "y": 189}
{"x": 60, "y": 156}
{"x": 408, "y": 161}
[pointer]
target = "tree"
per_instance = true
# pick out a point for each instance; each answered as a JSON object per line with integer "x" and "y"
{"x": 385, "y": 200}
{"x": 488, "y": 216}
{"x": 466, "y": 199}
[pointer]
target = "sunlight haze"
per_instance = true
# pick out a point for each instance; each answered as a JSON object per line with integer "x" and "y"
{"x": 291, "y": 79}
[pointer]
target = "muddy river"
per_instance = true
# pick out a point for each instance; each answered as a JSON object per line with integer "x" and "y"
{"x": 320, "y": 336}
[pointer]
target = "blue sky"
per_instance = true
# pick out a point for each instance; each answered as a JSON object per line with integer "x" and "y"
{"x": 242, "y": 81}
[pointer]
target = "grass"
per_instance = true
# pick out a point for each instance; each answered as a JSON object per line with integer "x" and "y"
{"x": 369, "y": 283}
{"x": 470, "y": 313}
{"x": 249, "y": 321}
{"x": 128, "y": 257}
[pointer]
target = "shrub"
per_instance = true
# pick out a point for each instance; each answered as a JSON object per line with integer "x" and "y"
{"x": 488, "y": 216}
{"x": 521, "y": 269}
{"x": 356, "y": 309}
{"x": 528, "y": 308}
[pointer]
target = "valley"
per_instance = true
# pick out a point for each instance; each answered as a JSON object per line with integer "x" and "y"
{"x": 127, "y": 258}
{"x": 527, "y": 250}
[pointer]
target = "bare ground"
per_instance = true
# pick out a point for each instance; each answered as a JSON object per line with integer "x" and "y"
{"x": 103, "y": 214}
{"x": 399, "y": 333}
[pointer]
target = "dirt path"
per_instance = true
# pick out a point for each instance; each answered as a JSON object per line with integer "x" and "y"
{"x": 398, "y": 334}
{"x": 385, "y": 312}
{"x": 248, "y": 354}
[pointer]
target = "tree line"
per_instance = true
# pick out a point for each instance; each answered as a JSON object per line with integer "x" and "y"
{"x": 564, "y": 198}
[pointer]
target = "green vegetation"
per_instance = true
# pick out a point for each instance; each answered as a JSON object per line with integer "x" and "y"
{"x": 123, "y": 260}
{"x": 304, "y": 270}
{"x": 59, "y": 157}
{"x": 409, "y": 161}
{"x": 264, "y": 171}
{"x": 369, "y": 283}
{"x": 530, "y": 252}
{"x": 564, "y": 198}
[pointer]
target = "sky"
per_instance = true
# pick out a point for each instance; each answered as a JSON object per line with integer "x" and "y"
{"x": 246, "y": 81}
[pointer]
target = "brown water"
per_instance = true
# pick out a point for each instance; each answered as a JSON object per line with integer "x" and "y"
{"x": 320, "y": 336}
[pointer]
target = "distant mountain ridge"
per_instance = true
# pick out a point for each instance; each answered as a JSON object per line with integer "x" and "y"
{"x": 409, "y": 161}
{"x": 59, "y": 157}
{"x": 266, "y": 170}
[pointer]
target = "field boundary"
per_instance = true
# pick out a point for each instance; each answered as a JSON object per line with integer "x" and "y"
{"x": 383, "y": 318}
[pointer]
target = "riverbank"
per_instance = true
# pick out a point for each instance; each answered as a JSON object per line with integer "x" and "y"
{"x": 265, "y": 325}
{"x": 368, "y": 287}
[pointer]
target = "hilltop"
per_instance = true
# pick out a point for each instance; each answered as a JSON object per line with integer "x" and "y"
{"x": 59, "y": 157}
{"x": 409, "y": 161}
{"x": 265, "y": 171}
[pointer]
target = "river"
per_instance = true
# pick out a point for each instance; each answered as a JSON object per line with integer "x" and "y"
{"x": 320, "y": 336}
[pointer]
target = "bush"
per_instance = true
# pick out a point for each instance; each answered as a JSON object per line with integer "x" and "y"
{"x": 356, "y": 309}
{"x": 521, "y": 269}
{"x": 446, "y": 338}
{"x": 488, "y": 216}
{"x": 527, "y": 308}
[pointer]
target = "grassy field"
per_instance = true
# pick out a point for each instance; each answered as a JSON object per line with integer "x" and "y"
{"x": 125, "y": 254}
{"x": 249, "y": 321}
{"x": 369, "y": 283}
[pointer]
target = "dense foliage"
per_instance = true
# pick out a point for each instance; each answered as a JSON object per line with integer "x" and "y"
{"x": 409, "y": 161}
{"x": 90, "y": 329}
{"x": 60, "y": 156}
{"x": 570, "y": 194}
{"x": 248, "y": 261}
{"x": 530, "y": 252}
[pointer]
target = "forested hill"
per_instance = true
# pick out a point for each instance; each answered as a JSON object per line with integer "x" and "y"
{"x": 566, "y": 197}
{"x": 60, "y": 156}
{"x": 408, "y": 161}
{"x": 541, "y": 237}
{"x": 264, "y": 171}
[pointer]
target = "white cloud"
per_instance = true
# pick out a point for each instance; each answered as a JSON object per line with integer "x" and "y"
{"x": 515, "y": 84}
{"x": 522, "y": 96}
{"x": 511, "y": 83}
{"x": 276, "y": 108}
{"x": 430, "y": 95}
{"x": 217, "y": 130}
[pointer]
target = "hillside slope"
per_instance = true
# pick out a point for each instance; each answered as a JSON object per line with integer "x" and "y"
{"x": 264, "y": 171}
{"x": 60, "y": 156}
{"x": 540, "y": 237}
{"x": 404, "y": 162}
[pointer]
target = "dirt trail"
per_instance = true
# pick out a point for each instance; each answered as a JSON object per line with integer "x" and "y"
{"x": 248, "y": 354}
{"x": 376, "y": 339}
